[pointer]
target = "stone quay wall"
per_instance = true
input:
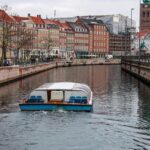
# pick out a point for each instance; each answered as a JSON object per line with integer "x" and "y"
{"x": 138, "y": 69}
{"x": 12, "y": 73}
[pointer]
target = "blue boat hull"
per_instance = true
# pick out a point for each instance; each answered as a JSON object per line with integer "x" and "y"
{"x": 55, "y": 107}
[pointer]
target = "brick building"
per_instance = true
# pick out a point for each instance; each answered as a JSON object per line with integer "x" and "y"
{"x": 62, "y": 40}
{"x": 119, "y": 45}
{"x": 85, "y": 36}
{"x": 98, "y": 36}
{"x": 47, "y": 36}
{"x": 53, "y": 36}
{"x": 81, "y": 39}
{"x": 27, "y": 42}
{"x": 70, "y": 40}
{"x": 66, "y": 39}
{"x": 145, "y": 16}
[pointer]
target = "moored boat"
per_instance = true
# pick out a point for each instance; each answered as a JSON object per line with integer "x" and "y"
{"x": 66, "y": 96}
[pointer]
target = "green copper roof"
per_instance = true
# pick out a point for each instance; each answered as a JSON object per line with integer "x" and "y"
{"x": 146, "y": 1}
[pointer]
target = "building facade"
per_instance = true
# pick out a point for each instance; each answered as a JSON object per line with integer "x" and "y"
{"x": 89, "y": 35}
{"x": 70, "y": 41}
{"x": 145, "y": 16}
{"x": 81, "y": 39}
{"x": 98, "y": 36}
{"x": 115, "y": 23}
{"x": 120, "y": 45}
{"x": 53, "y": 36}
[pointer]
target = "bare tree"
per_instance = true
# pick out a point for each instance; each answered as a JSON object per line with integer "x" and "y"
{"x": 6, "y": 26}
{"x": 23, "y": 39}
{"x": 13, "y": 36}
{"x": 47, "y": 42}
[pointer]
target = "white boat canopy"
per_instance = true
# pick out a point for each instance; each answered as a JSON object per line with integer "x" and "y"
{"x": 64, "y": 86}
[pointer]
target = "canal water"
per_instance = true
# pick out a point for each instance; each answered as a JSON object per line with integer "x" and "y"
{"x": 120, "y": 120}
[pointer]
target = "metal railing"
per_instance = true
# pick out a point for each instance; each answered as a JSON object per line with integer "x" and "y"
{"x": 143, "y": 60}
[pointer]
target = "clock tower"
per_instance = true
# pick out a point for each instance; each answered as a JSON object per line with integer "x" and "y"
{"x": 145, "y": 16}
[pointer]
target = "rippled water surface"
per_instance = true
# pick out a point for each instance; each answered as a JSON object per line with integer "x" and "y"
{"x": 120, "y": 121}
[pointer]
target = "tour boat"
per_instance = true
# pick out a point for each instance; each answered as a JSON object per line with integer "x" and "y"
{"x": 66, "y": 96}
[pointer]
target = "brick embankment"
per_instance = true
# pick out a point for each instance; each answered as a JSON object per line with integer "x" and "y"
{"x": 12, "y": 73}
{"x": 141, "y": 71}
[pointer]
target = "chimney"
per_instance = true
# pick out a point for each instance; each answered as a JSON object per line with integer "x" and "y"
{"x": 39, "y": 16}
{"x": 29, "y": 15}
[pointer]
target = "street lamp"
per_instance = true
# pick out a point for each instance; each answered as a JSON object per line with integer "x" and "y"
{"x": 131, "y": 31}
{"x": 139, "y": 57}
{"x": 132, "y": 9}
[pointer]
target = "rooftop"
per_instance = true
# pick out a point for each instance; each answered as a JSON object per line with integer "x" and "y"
{"x": 75, "y": 26}
{"x": 19, "y": 19}
{"x": 37, "y": 20}
{"x": 50, "y": 23}
{"x": 5, "y": 17}
{"x": 91, "y": 21}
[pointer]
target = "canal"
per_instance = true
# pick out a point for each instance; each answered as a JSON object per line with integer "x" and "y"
{"x": 120, "y": 120}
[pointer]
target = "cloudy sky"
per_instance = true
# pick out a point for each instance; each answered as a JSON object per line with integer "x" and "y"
{"x": 67, "y": 8}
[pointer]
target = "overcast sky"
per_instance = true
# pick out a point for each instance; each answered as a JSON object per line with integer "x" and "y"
{"x": 67, "y": 8}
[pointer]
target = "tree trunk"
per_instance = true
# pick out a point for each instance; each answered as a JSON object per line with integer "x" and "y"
{"x": 17, "y": 56}
{"x": 4, "y": 56}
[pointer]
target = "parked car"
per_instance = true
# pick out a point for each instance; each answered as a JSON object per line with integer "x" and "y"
{"x": 108, "y": 57}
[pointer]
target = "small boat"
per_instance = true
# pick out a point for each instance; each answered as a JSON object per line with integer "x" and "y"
{"x": 66, "y": 96}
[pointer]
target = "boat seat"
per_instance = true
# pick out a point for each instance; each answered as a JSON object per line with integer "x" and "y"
{"x": 35, "y": 99}
{"x": 78, "y": 99}
{"x": 32, "y": 99}
{"x": 72, "y": 99}
{"x": 84, "y": 100}
{"x": 40, "y": 99}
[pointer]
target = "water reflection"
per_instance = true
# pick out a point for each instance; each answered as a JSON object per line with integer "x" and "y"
{"x": 121, "y": 117}
{"x": 144, "y": 104}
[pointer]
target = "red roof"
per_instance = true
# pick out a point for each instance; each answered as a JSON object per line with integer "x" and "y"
{"x": 62, "y": 25}
{"x": 19, "y": 19}
{"x": 56, "y": 22}
{"x": 37, "y": 20}
{"x": 65, "y": 26}
{"x": 5, "y": 17}
{"x": 141, "y": 34}
{"x": 48, "y": 21}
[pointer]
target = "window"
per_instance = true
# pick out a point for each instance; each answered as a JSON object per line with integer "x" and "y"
{"x": 144, "y": 14}
{"x": 148, "y": 14}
